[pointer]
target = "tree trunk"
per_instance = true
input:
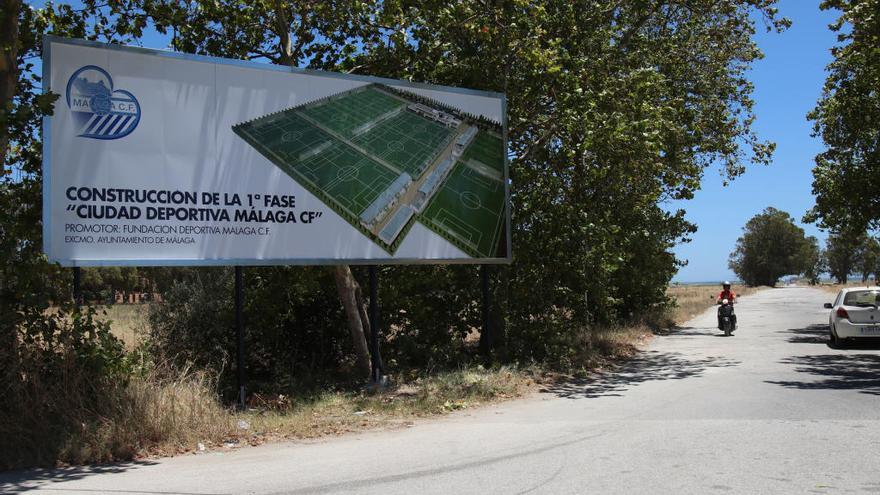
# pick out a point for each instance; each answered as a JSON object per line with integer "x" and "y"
{"x": 350, "y": 296}
{"x": 347, "y": 287}
{"x": 9, "y": 10}
{"x": 8, "y": 67}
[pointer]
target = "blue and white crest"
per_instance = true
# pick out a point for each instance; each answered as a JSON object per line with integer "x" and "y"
{"x": 99, "y": 110}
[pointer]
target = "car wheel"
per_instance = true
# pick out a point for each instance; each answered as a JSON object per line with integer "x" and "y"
{"x": 833, "y": 340}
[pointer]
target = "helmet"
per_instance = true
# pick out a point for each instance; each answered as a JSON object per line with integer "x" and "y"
{"x": 725, "y": 284}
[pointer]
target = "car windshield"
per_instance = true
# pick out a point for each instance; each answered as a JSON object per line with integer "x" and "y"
{"x": 862, "y": 298}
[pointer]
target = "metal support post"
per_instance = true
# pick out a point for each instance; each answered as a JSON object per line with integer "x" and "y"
{"x": 486, "y": 332}
{"x": 239, "y": 330}
{"x": 376, "y": 370}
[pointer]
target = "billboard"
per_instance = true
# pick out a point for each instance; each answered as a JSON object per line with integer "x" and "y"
{"x": 161, "y": 158}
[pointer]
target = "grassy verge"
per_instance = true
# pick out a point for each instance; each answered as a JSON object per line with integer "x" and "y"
{"x": 332, "y": 413}
{"x": 175, "y": 411}
{"x": 691, "y": 300}
{"x": 599, "y": 348}
{"x": 167, "y": 417}
{"x": 172, "y": 411}
{"x": 128, "y": 321}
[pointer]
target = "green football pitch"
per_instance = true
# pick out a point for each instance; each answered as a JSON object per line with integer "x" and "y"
{"x": 344, "y": 114}
{"x": 469, "y": 210}
{"x": 348, "y": 149}
{"x": 486, "y": 149}
{"x": 406, "y": 141}
{"x": 338, "y": 172}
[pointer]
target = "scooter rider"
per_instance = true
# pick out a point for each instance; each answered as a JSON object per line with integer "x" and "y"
{"x": 728, "y": 294}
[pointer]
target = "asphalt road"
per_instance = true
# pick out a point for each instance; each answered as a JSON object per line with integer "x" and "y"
{"x": 771, "y": 410}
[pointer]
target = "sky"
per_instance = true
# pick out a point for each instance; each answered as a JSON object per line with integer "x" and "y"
{"x": 788, "y": 81}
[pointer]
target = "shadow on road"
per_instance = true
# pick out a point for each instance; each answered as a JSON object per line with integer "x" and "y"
{"x": 860, "y": 372}
{"x": 818, "y": 334}
{"x": 646, "y": 367}
{"x": 35, "y": 479}
{"x": 813, "y": 334}
{"x": 694, "y": 332}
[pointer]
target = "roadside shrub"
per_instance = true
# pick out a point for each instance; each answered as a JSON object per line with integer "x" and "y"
{"x": 295, "y": 332}
{"x": 194, "y": 323}
{"x": 429, "y": 314}
{"x": 61, "y": 375}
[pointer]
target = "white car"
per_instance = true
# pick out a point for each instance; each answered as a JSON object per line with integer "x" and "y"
{"x": 854, "y": 314}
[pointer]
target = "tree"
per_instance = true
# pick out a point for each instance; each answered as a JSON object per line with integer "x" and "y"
{"x": 846, "y": 178}
{"x": 613, "y": 107}
{"x": 770, "y": 247}
{"x": 840, "y": 255}
{"x": 54, "y": 365}
{"x": 814, "y": 260}
{"x": 316, "y": 35}
{"x": 867, "y": 257}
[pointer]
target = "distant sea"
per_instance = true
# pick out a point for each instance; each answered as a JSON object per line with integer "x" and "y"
{"x": 708, "y": 282}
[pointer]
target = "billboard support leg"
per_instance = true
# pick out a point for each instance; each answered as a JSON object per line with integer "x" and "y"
{"x": 77, "y": 287}
{"x": 239, "y": 330}
{"x": 486, "y": 332}
{"x": 376, "y": 370}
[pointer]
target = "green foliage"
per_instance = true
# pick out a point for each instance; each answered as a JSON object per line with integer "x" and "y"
{"x": 294, "y": 326}
{"x": 304, "y": 34}
{"x": 814, "y": 260}
{"x": 867, "y": 258}
{"x": 847, "y": 253}
{"x": 28, "y": 284}
{"x": 432, "y": 310}
{"x": 846, "y": 178}
{"x": 840, "y": 255}
{"x": 57, "y": 376}
{"x": 770, "y": 247}
{"x": 57, "y": 364}
{"x": 613, "y": 109}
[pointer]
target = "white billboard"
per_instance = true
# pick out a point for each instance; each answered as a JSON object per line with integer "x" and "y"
{"x": 161, "y": 158}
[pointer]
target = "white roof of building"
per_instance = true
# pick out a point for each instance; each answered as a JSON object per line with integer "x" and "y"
{"x": 385, "y": 198}
{"x": 396, "y": 224}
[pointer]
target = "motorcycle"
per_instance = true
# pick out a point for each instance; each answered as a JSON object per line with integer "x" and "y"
{"x": 727, "y": 323}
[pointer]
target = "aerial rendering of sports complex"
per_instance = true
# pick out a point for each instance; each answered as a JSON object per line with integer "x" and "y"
{"x": 384, "y": 158}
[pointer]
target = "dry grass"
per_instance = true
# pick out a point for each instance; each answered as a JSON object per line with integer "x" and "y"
{"x": 338, "y": 412}
{"x": 77, "y": 414}
{"x": 835, "y": 288}
{"x": 128, "y": 322}
{"x": 598, "y": 348}
{"x": 691, "y": 300}
{"x": 334, "y": 413}
{"x": 152, "y": 414}
{"x": 168, "y": 412}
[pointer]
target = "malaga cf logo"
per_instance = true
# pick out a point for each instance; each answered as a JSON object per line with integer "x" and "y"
{"x": 99, "y": 110}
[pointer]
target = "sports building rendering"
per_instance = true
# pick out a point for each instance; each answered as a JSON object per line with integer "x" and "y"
{"x": 384, "y": 158}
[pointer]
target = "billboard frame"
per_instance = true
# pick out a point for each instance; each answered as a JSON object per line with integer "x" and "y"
{"x": 46, "y": 165}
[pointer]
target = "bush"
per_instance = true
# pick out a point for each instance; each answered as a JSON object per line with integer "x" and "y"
{"x": 194, "y": 323}
{"x": 295, "y": 330}
{"x": 61, "y": 376}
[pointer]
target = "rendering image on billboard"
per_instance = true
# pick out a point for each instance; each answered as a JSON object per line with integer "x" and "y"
{"x": 384, "y": 158}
